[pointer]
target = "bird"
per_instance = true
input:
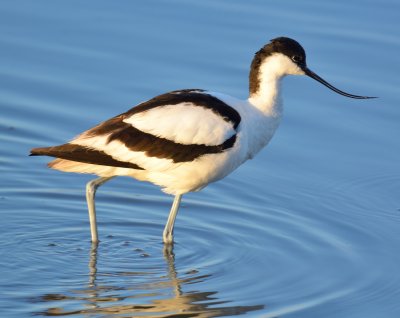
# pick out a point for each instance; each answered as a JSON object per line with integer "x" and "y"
{"x": 185, "y": 139}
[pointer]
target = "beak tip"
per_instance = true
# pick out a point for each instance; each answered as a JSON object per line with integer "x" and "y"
{"x": 314, "y": 76}
{"x": 367, "y": 97}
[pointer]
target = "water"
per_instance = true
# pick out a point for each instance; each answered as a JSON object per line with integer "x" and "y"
{"x": 309, "y": 228}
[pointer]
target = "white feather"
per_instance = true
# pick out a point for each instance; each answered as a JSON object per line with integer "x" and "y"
{"x": 184, "y": 123}
{"x": 272, "y": 70}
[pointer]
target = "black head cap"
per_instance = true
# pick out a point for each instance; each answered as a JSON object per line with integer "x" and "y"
{"x": 288, "y": 47}
{"x": 283, "y": 45}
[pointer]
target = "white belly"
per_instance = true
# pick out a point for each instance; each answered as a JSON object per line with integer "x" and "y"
{"x": 195, "y": 175}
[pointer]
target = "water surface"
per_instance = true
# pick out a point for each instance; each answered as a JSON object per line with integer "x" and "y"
{"x": 309, "y": 228}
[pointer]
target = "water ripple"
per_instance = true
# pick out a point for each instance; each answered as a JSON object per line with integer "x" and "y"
{"x": 315, "y": 234}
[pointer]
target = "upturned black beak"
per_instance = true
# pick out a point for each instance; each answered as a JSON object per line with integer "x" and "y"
{"x": 310, "y": 73}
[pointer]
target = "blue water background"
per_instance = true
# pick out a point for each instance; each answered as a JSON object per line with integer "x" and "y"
{"x": 309, "y": 228}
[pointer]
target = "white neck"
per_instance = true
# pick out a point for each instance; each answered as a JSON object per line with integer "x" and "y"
{"x": 267, "y": 96}
{"x": 268, "y": 99}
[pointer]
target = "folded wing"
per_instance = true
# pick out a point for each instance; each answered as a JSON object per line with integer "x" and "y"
{"x": 169, "y": 129}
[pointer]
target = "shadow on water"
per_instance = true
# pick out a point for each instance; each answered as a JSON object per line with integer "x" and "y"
{"x": 167, "y": 298}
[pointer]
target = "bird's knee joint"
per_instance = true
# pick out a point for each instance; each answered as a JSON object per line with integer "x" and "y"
{"x": 168, "y": 238}
{"x": 91, "y": 188}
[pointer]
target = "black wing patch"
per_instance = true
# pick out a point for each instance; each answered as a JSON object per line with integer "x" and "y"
{"x": 137, "y": 140}
{"x": 196, "y": 98}
{"x": 153, "y": 146}
{"x": 82, "y": 154}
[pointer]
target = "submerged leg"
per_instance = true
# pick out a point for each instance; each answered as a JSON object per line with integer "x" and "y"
{"x": 168, "y": 234}
{"x": 91, "y": 188}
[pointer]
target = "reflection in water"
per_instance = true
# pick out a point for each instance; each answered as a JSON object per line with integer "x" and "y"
{"x": 160, "y": 297}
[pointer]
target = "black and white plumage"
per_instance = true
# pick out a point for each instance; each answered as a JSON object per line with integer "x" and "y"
{"x": 184, "y": 140}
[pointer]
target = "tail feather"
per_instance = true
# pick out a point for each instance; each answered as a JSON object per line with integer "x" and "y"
{"x": 44, "y": 151}
{"x": 82, "y": 154}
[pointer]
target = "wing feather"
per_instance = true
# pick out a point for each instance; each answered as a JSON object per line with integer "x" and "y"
{"x": 176, "y": 127}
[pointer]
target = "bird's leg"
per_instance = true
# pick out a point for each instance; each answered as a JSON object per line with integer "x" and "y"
{"x": 168, "y": 234}
{"x": 91, "y": 188}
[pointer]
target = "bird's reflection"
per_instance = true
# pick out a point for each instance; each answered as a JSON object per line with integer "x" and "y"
{"x": 162, "y": 297}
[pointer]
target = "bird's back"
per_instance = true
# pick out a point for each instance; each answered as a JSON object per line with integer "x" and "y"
{"x": 180, "y": 140}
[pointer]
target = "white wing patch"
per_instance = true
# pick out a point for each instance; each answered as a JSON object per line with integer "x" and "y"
{"x": 183, "y": 123}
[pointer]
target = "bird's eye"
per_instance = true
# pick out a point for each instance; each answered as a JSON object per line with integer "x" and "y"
{"x": 297, "y": 58}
